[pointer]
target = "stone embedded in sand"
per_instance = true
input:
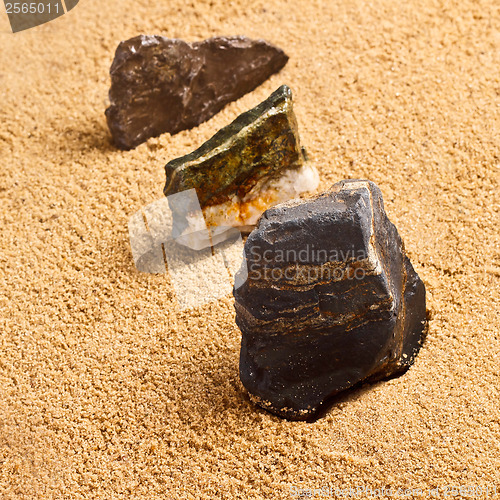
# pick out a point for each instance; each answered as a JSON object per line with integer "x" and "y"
{"x": 162, "y": 85}
{"x": 251, "y": 164}
{"x": 331, "y": 300}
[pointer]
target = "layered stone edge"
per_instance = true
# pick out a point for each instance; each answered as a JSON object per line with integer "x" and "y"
{"x": 412, "y": 331}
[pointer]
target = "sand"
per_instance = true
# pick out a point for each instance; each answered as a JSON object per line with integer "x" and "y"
{"x": 109, "y": 391}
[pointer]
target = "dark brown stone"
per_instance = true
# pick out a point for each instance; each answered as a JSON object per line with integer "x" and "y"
{"x": 331, "y": 300}
{"x": 162, "y": 85}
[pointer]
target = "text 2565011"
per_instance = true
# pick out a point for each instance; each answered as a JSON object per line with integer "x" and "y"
{"x": 32, "y": 8}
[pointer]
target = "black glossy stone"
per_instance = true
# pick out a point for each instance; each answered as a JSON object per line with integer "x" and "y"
{"x": 331, "y": 300}
{"x": 163, "y": 85}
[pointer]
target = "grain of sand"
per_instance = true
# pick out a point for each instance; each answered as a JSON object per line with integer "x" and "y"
{"x": 108, "y": 390}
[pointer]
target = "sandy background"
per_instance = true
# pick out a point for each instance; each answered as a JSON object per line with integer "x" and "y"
{"x": 107, "y": 390}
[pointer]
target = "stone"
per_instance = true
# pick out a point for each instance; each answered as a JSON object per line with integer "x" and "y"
{"x": 330, "y": 300}
{"x": 251, "y": 164}
{"x": 163, "y": 85}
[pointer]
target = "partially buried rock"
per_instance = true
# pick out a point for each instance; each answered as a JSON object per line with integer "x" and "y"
{"x": 162, "y": 85}
{"x": 331, "y": 300}
{"x": 248, "y": 166}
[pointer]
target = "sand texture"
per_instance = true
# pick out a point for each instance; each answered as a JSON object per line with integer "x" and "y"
{"x": 109, "y": 391}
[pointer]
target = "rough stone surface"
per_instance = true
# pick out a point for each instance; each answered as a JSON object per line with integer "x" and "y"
{"x": 331, "y": 300}
{"x": 251, "y": 164}
{"x": 167, "y": 85}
